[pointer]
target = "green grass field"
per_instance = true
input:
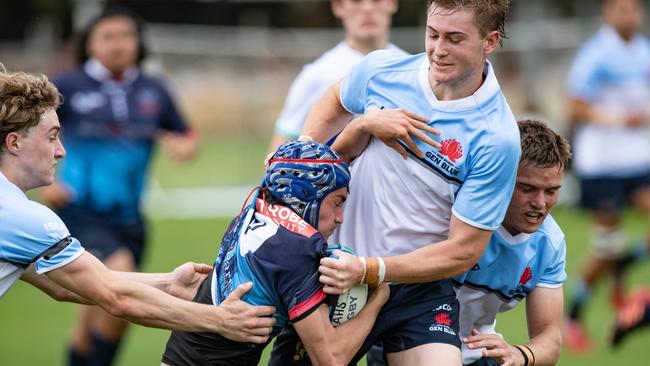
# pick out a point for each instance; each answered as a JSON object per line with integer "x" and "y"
{"x": 34, "y": 328}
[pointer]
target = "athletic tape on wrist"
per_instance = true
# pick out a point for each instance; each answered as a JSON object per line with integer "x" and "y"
{"x": 363, "y": 274}
{"x": 382, "y": 270}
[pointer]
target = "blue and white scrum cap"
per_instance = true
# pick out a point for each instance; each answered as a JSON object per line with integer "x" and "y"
{"x": 302, "y": 173}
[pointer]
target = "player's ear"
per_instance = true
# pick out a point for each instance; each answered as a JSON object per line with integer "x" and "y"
{"x": 337, "y": 8}
{"x": 395, "y": 6}
{"x": 491, "y": 42}
{"x": 12, "y": 143}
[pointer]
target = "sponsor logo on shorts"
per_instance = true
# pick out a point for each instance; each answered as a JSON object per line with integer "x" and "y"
{"x": 442, "y": 320}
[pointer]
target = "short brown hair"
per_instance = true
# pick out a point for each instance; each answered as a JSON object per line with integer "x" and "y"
{"x": 490, "y": 14}
{"x": 542, "y": 147}
{"x": 23, "y": 100}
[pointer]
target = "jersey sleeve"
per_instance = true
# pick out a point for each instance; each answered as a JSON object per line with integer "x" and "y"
{"x": 582, "y": 80}
{"x": 554, "y": 275}
{"x": 171, "y": 119}
{"x": 483, "y": 198}
{"x": 354, "y": 88}
{"x": 37, "y": 235}
{"x": 296, "y": 259}
{"x": 303, "y": 94}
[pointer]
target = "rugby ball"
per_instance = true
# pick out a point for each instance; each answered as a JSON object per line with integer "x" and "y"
{"x": 349, "y": 304}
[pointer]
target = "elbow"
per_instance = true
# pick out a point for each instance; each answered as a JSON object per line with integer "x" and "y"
{"x": 116, "y": 308}
{"x": 113, "y": 303}
{"x": 466, "y": 258}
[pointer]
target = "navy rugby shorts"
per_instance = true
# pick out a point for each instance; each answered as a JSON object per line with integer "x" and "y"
{"x": 101, "y": 237}
{"x": 415, "y": 314}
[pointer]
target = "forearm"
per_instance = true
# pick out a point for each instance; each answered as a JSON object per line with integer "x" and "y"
{"x": 52, "y": 289}
{"x": 546, "y": 346}
{"x": 145, "y": 305}
{"x": 352, "y": 141}
{"x": 327, "y": 117}
{"x": 544, "y": 312}
{"x": 161, "y": 281}
{"x": 433, "y": 262}
{"x": 583, "y": 112}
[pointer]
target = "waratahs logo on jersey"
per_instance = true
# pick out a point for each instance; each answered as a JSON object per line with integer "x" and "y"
{"x": 445, "y": 158}
{"x": 521, "y": 290}
{"x": 526, "y": 276}
{"x": 451, "y": 148}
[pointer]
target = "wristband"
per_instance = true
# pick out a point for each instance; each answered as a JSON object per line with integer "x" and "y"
{"x": 372, "y": 272}
{"x": 523, "y": 354}
{"x": 532, "y": 355}
{"x": 363, "y": 274}
{"x": 382, "y": 270}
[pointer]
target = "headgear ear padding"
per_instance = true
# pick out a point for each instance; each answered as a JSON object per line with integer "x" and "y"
{"x": 302, "y": 173}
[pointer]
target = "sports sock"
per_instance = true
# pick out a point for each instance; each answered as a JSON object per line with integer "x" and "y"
{"x": 579, "y": 297}
{"x": 75, "y": 358}
{"x": 620, "y": 333}
{"x": 103, "y": 351}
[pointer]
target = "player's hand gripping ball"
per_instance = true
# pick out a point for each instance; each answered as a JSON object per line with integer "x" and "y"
{"x": 348, "y": 304}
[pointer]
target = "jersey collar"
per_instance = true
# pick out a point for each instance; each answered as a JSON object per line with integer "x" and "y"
{"x": 5, "y": 181}
{"x": 97, "y": 71}
{"x": 512, "y": 239}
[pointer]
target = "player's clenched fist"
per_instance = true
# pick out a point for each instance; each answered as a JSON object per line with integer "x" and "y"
{"x": 339, "y": 275}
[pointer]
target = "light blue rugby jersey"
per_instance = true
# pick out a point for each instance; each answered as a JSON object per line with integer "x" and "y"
{"x": 509, "y": 269}
{"x": 27, "y": 230}
{"x": 614, "y": 75}
{"x": 397, "y": 206}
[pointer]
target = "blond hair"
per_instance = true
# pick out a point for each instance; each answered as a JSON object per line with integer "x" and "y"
{"x": 23, "y": 100}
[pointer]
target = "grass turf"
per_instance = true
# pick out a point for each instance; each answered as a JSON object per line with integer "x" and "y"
{"x": 34, "y": 328}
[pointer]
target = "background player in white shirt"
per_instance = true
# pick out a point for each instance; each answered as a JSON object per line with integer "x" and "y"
{"x": 36, "y": 244}
{"x": 431, "y": 215}
{"x": 525, "y": 258}
{"x": 609, "y": 89}
{"x": 367, "y": 27}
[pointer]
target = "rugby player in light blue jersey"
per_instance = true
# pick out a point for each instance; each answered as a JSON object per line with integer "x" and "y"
{"x": 609, "y": 94}
{"x": 36, "y": 246}
{"x": 430, "y": 209}
{"x": 525, "y": 258}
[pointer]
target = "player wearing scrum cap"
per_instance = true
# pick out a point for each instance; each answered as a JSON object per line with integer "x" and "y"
{"x": 277, "y": 242}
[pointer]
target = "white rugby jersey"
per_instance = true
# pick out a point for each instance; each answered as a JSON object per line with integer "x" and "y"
{"x": 615, "y": 76}
{"x": 396, "y": 206}
{"x": 311, "y": 84}
{"x": 509, "y": 269}
{"x": 30, "y": 233}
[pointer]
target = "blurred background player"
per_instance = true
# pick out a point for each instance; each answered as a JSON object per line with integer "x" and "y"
{"x": 277, "y": 242}
{"x": 367, "y": 28}
{"x": 112, "y": 117}
{"x": 525, "y": 258}
{"x": 609, "y": 87}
